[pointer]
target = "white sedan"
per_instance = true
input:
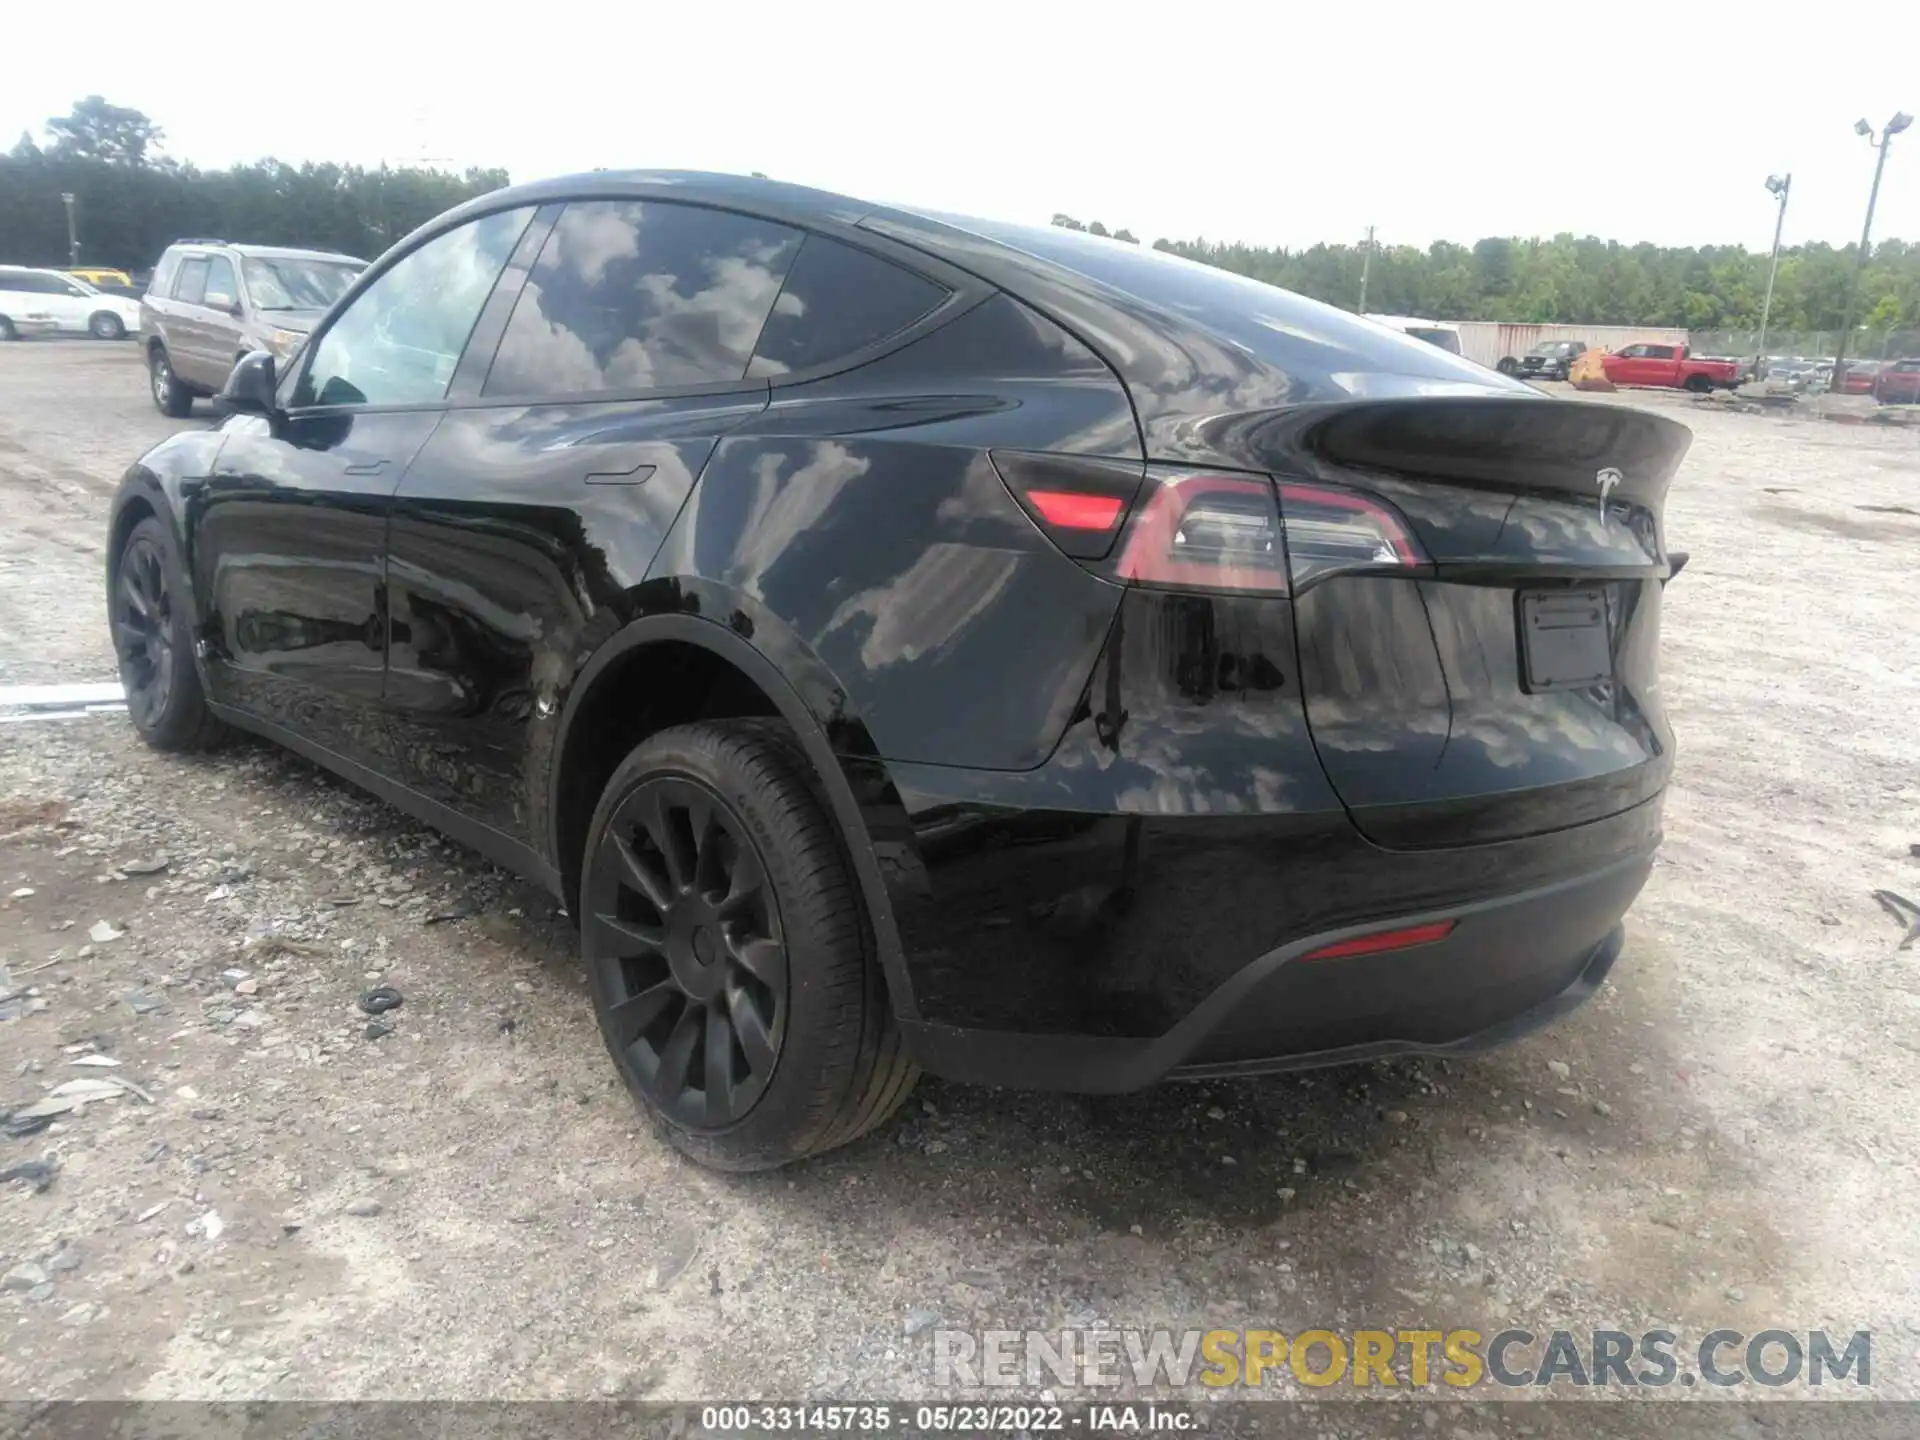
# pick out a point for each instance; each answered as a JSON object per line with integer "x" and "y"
{"x": 34, "y": 302}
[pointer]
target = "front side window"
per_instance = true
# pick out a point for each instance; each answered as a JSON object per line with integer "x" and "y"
{"x": 191, "y": 287}
{"x": 221, "y": 293}
{"x": 399, "y": 341}
{"x": 632, "y": 295}
{"x": 838, "y": 300}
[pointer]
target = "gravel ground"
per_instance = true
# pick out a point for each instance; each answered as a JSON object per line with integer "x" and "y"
{"x": 467, "y": 1207}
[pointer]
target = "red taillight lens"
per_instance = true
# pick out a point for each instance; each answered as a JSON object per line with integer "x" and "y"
{"x": 1206, "y": 532}
{"x": 1078, "y": 501}
{"x": 1066, "y": 511}
{"x": 1383, "y": 940}
{"x": 1330, "y": 529}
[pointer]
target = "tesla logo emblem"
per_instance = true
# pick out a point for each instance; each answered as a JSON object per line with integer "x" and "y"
{"x": 1606, "y": 480}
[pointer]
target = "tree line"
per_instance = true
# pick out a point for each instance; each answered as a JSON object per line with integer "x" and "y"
{"x": 130, "y": 201}
{"x": 1581, "y": 280}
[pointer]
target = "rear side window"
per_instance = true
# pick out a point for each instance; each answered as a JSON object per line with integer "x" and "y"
{"x": 1658, "y": 352}
{"x": 632, "y": 295}
{"x": 838, "y": 300}
{"x": 191, "y": 287}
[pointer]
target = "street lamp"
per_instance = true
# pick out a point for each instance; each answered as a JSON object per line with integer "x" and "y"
{"x": 73, "y": 236}
{"x": 1893, "y": 127}
{"x": 1779, "y": 185}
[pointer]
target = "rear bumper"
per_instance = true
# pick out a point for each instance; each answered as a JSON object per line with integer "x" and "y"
{"x": 1511, "y": 965}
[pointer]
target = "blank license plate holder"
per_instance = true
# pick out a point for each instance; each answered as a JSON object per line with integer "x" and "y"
{"x": 1564, "y": 640}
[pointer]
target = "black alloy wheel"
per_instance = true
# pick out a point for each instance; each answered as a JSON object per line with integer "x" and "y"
{"x": 683, "y": 930}
{"x": 143, "y": 630}
{"x": 150, "y": 615}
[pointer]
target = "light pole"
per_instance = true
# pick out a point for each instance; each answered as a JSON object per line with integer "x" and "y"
{"x": 73, "y": 235}
{"x": 1366, "y": 264}
{"x": 1893, "y": 127}
{"x": 1780, "y": 185}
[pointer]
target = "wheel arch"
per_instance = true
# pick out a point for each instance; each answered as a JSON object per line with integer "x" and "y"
{"x": 671, "y": 639}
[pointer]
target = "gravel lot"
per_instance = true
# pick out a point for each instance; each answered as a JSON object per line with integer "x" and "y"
{"x": 469, "y": 1207}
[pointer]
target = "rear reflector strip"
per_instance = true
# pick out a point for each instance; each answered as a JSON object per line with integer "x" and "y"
{"x": 1383, "y": 940}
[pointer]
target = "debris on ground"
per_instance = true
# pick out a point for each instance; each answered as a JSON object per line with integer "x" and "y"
{"x": 101, "y": 931}
{"x": 1903, "y": 910}
{"x": 37, "y": 1173}
{"x": 72, "y": 1095}
{"x": 380, "y": 999}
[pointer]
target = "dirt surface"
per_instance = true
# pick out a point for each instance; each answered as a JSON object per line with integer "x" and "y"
{"x": 468, "y": 1206}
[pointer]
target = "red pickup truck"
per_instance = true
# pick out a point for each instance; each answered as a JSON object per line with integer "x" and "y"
{"x": 1670, "y": 366}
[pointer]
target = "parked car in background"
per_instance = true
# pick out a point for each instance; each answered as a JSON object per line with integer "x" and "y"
{"x": 1859, "y": 377}
{"x": 1672, "y": 367}
{"x": 1434, "y": 332}
{"x": 47, "y": 302}
{"x": 1550, "y": 360}
{"x": 209, "y": 303}
{"x": 115, "y": 281}
{"x": 864, "y": 622}
{"x": 1898, "y": 383}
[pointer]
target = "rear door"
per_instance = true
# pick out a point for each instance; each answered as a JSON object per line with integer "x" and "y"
{"x": 288, "y": 539}
{"x": 534, "y": 510}
{"x": 187, "y": 342}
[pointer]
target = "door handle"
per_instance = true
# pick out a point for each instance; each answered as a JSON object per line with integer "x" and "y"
{"x": 367, "y": 467}
{"x": 633, "y": 475}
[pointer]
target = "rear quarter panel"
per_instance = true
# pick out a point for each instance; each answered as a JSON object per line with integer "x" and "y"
{"x": 857, "y": 530}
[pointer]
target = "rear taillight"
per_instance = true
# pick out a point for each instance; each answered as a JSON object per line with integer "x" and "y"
{"x": 1184, "y": 529}
{"x": 1205, "y": 532}
{"x": 1330, "y": 529}
{"x": 1079, "y": 502}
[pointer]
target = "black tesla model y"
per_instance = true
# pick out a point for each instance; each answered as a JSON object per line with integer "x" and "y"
{"x": 910, "y": 641}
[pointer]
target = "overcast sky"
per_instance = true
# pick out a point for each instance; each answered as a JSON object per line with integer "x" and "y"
{"x": 1271, "y": 123}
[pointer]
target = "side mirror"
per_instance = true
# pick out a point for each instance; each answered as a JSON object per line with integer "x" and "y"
{"x": 252, "y": 387}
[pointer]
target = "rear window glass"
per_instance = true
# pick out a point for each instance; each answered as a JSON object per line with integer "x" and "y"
{"x": 1276, "y": 325}
{"x": 838, "y": 300}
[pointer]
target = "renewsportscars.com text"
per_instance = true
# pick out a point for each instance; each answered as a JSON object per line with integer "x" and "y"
{"x": 1457, "y": 1358}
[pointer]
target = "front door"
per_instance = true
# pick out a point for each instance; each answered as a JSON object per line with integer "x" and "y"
{"x": 533, "y": 512}
{"x": 288, "y": 539}
{"x": 290, "y": 555}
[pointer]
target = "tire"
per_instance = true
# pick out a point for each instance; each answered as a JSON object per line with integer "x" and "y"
{"x": 1508, "y": 365}
{"x": 106, "y": 326}
{"x": 7, "y": 332}
{"x": 153, "y": 640}
{"x": 1699, "y": 385}
{"x": 170, "y": 397}
{"x": 717, "y": 905}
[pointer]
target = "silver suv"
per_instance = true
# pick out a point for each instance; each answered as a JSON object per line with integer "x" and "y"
{"x": 210, "y": 303}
